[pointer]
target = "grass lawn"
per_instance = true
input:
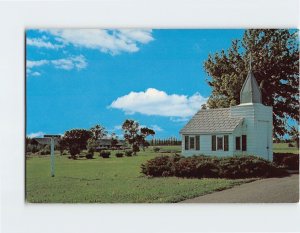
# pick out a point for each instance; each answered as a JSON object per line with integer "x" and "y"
{"x": 112, "y": 180}
{"x": 284, "y": 148}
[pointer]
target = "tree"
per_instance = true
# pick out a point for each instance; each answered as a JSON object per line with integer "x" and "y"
{"x": 62, "y": 145}
{"x": 97, "y": 132}
{"x": 294, "y": 132}
{"x": 114, "y": 140}
{"x": 135, "y": 135}
{"x": 275, "y": 65}
{"x": 76, "y": 140}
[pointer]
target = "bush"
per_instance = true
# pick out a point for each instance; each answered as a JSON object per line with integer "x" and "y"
{"x": 45, "y": 151}
{"x": 89, "y": 155}
{"x": 156, "y": 149}
{"x": 159, "y": 166}
{"x": 211, "y": 167}
{"x": 291, "y": 162}
{"x": 119, "y": 154}
{"x": 105, "y": 154}
{"x": 128, "y": 153}
{"x": 288, "y": 160}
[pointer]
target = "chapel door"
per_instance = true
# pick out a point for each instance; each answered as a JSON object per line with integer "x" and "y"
{"x": 263, "y": 139}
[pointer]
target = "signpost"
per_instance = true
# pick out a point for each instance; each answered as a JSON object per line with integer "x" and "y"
{"x": 52, "y": 164}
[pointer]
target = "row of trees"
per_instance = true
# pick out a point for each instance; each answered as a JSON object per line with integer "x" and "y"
{"x": 76, "y": 140}
{"x": 165, "y": 142}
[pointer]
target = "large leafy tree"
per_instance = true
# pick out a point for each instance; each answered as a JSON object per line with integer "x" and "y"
{"x": 75, "y": 140}
{"x": 275, "y": 55}
{"x": 135, "y": 135}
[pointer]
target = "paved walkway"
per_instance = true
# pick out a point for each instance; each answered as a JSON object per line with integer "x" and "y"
{"x": 272, "y": 190}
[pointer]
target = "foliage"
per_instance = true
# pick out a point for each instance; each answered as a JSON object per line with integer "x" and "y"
{"x": 114, "y": 140}
{"x": 294, "y": 132}
{"x": 89, "y": 155}
{"x": 156, "y": 149}
{"x": 97, "y": 133}
{"x": 128, "y": 153}
{"x": 105, "y": 154}
{"x": 236, "y": 167}
{"x": 45, "y": 150}
{"x": 275, "y": 66}
{"x": 135, "y": 135}
{"x": 288, "y": 160}
{"x": 62, "y": 145}
{"x": 76, "y": 140}
{"x": 119, "y": 154}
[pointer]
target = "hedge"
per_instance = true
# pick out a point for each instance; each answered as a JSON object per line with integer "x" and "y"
{"x": 235, "y": 167}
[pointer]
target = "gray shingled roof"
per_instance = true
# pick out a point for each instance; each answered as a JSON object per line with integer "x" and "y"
{"x": 212, "y": 121}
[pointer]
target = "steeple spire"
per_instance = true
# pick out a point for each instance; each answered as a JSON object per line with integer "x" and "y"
{"x": 250, "y": 92}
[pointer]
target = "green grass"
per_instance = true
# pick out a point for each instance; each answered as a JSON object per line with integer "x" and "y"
{"x": 113, "y": 180}
{"x": 284, "y": 148}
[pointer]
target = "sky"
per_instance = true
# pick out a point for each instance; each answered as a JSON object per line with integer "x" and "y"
{"x": 77, "y": 78}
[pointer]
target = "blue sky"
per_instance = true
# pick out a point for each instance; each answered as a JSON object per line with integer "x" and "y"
{"x": 79, "y": 78}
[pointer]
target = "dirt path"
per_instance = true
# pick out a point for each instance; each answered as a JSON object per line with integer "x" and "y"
{"x": 272, "y": 190}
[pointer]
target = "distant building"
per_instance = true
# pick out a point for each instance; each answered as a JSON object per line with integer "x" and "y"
{"x": 245, "y": 129}
{"x": 106, "y": 143}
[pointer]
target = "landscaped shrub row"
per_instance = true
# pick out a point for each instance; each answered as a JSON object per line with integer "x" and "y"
{"x": 235, "y": 167}
{"x": 288, "y": 160}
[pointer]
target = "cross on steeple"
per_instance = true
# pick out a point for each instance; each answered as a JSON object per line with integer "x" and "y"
{"x": 250, "y": 62}
{"x": 250, "y": 92}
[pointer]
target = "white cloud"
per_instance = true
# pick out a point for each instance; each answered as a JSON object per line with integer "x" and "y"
{"x": 42, "y": 43}
{"x": 35, "y": 135}
{"x": 107, "y": 41}
{"x": 31, "y": 64}
{"x": 73, "y": 62}
{"x": 70, "y": 63}
{"x": 35, "y": 73}
{"x": 155, "y": 102}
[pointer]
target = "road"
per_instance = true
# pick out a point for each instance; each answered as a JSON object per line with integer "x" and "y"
{"x": 271, "y": 190}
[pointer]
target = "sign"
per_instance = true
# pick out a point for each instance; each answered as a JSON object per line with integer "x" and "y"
{"x": 52, "y": 162}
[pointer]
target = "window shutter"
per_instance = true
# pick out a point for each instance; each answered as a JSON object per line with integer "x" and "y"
{"x": 226, "y": 143}
{"x": 186, "y": 142}
{"x": 238, "y": 143}
{"x": 198, "y": 142}
{"x": 244, "y": 142}
{"x": 213, "y": 142}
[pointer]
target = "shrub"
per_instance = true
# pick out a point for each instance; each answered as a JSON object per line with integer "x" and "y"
{"x": 291, "y": 162}
{"x": 45, "y": 151}
{"x": 89, "y": 155}
{"x": 105, "y": 154}
{"x": 156, "y": 149}
{"x": 128, "y": 153}
{"x": 119, "y": 154}
{"x": 288, "y": 160}
{"x": 159, "y": 166}
{"x": 211, "y": 167}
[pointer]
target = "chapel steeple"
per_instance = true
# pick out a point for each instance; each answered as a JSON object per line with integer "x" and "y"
{"x": 250, "y": 92}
